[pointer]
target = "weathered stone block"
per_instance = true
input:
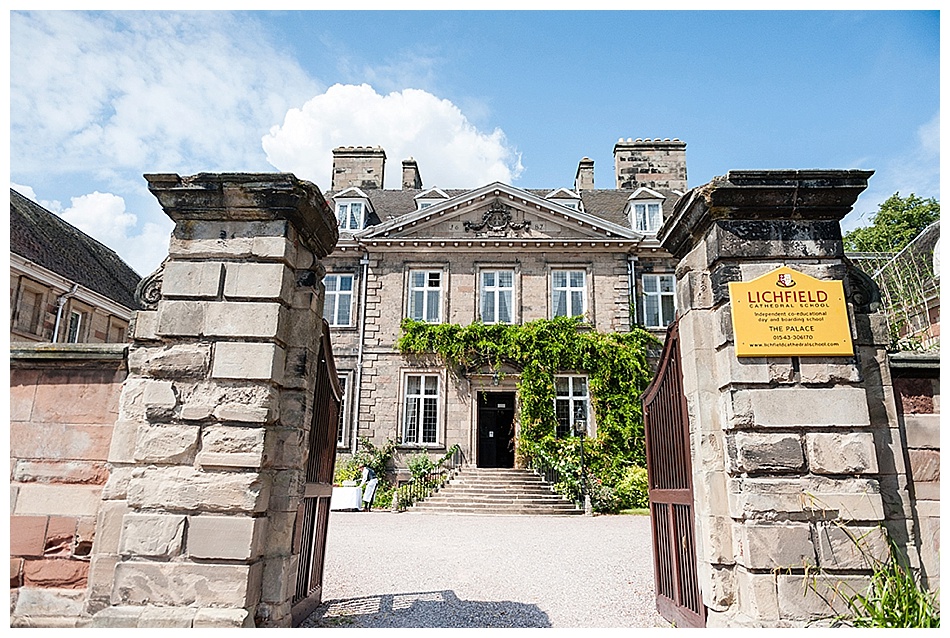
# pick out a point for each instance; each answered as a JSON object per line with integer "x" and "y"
{"x": 200, "y": 279}
{"x": 109, "y": 527}
{"x": 158, "y": 397}
{"x": 258, "y": 281}
{"x": 118, "y": 482}
{"x": 117, "y": 617}
{"x": 180, "y": 318}
{"x": 243, "y": 319}
{"x": 225, "y": 537}
{"x": 720, "y": 592}
{"x": 92, "y": 473}
{"x": 755, "y": 452}
{"x": 210, "y": 618}
{"x": 235, "y": 360}
{"x": 243, "y": 413}
{"x": 27, "y": 535}
{"x": 55, "y": 573}
{"x": 850, "y": 499}
{"x": 839, "y": 453}
{"x": 58, "y": 500}
{"x": 793, "y": 406}
{"x": 101, "y": 568}
{"x": 166, "y": 617}
{"x": 924, "y": 465}
{"x": 758, "y": 595}
{"x": 187, "y": 489}
{"x": 851, "y": 547}
{"x": 923, "y": 430}
{"x": 170, "y": 444}
{"x": 809, "y": 597}
{"x": 181, "y": 584}
{"x": 38, "y": 602}
{"x": 176, "y": 361}
{"x": 152, "y": 535}
{"x": 144, "y": 325}
{"x": 279, "y": 578}
{"x": 774, "y": 546}
{"x": 225, "y": 439}
{"x": 285, "y": 447}
{"x": 828, "y": 370}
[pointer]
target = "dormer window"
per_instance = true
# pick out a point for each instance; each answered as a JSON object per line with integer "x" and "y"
{"x": 352, "y": 209}
{"x": 430, "y": 197}
{"x": 647, "y": 217}
{"x": 566, "y": 198}
{"x": 350, "y": 215}
{"x": 645, "y": 208}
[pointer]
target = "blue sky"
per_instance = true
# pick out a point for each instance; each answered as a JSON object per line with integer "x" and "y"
{"x": 99, "y": 98}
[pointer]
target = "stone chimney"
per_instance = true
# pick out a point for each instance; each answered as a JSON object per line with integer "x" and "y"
{"x": 411, "y": 180}
{"x": 584, "y": 179}
{"x": 360, "y": 166}
{"x": 652, "y": 163}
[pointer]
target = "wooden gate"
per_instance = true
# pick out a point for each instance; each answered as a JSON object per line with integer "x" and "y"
{"x": 666, "y": 425}
{"x": 313, "y": 515}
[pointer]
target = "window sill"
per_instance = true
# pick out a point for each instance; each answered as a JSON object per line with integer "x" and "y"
{"x": 421, "y": 446}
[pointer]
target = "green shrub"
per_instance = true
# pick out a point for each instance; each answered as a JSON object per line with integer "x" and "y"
{"x": 603, "y": 498}
{"x": 419, "y": 465}
{"x": 633, "y": 489}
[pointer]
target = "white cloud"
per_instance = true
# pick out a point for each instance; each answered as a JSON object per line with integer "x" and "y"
{"x": 29, "y": 193}
{"x": 915, "y": 171}
{"x": 104, "y": 216}
{"x": 149, "y": 91}
{"x": 450, "y": 150}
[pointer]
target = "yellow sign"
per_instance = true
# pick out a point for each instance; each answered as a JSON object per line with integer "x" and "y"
{"x": 786, "y": 313}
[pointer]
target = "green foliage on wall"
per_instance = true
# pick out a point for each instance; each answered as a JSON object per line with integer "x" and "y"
{"x": 616, "y": 365}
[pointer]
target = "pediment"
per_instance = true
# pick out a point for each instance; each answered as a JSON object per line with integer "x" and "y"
{"x": 499, "y": 211}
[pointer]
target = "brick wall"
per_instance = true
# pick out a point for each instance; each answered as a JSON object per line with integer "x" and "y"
{"x": 63, "y": 404}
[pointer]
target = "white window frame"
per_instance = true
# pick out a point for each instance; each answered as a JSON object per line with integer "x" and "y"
{"x": 414, "y": 405}
{"x": 658, "y": 294}
{"x": 343, "y": 429}
{"x": 648, "y": 223}
{"x": 344, "y": 215}
{"x": 71, "y": 336}
{"x": 426, "y": 290}
{"x": 333, "y": 298}
{"x": 496, "y": 290}
{"x": 572, "y": 400}
{"x": 569, "y": 288}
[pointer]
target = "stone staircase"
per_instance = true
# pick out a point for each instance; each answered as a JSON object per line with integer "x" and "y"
{"x": 496, "y": 491}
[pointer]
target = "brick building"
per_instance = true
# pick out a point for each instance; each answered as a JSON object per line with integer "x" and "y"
{"x": 65, "y": 287}
{"x": 496, "y": 254}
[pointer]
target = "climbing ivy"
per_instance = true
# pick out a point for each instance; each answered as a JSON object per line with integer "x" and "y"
{"x": 615, "y": 363}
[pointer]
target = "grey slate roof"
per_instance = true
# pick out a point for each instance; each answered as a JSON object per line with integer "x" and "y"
{"x": 607, "y": 204}
{"x": 46, "y": 239}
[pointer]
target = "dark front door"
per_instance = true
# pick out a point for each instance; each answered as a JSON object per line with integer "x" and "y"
{"x": 496, "y": 432}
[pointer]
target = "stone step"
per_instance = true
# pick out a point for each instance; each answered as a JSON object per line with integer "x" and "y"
{"x": 502, "y": 491}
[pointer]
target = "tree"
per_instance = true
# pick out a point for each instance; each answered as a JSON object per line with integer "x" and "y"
{"x": 897, "y": 222}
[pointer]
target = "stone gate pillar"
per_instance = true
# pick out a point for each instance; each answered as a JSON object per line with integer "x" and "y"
{"x": 791, "y": 455}
{"x": 208, "y": 453}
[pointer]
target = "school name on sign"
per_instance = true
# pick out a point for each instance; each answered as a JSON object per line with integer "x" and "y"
{"x": 787, "y": 313}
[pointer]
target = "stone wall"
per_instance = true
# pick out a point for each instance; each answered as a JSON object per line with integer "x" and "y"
{"x": 210, "y": 444}
{"x": 63, "y": 403}
{"x": 917, "y": 389}
{"x": 797, "y": 461}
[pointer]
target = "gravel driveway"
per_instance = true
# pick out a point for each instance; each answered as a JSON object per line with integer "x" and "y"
{"x": 414, "y": 569}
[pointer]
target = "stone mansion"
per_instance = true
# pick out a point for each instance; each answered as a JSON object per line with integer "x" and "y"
{"x": 496, "y": 254}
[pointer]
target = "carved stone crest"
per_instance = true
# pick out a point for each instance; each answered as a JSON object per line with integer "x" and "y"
{"x": 148, "y": 292}
{"x": 497, "y": 218}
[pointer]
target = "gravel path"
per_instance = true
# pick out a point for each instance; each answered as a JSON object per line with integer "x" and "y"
{"x": 441, "y": 570}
